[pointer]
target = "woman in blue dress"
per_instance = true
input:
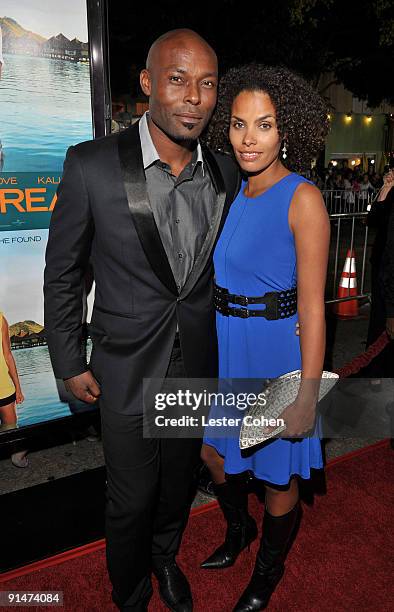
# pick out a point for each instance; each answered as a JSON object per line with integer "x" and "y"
{"x": 275, "y": 239}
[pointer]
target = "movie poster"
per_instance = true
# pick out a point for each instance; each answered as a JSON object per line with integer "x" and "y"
{"x": 45, "y": 106}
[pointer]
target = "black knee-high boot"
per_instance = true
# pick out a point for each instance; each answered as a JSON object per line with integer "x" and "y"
{"x": 241, "y": 527}
{"x": 269, "y": 566}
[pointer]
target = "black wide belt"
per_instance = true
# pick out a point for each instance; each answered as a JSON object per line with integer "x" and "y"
{"x": 279, "y": 304}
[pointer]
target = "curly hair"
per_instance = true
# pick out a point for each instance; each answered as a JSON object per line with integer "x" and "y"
{"x": 301, "y": 113}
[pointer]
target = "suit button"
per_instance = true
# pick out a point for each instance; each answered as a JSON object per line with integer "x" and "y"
{"x": 178, "y": 299}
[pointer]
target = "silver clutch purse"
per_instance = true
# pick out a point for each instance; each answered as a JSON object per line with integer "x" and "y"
{"x": 273, "y": 399}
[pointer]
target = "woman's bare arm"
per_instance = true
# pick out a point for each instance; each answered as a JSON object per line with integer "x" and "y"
{"x": 309, "y": 222}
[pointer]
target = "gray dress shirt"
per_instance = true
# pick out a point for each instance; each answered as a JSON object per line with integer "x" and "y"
{"x": 182, "y": 206}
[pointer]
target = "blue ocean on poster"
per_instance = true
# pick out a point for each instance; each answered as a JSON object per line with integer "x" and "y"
{"x": 44, "y": 400}
{"x": 44, "y": 108}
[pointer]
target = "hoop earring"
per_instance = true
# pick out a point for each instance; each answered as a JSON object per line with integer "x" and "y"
{"x": 284, "y": 150}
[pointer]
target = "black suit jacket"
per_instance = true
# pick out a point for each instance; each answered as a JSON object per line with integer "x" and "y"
{"x": 103, "y": 216}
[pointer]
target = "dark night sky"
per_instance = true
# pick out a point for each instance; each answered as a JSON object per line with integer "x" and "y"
{"x": 346, "y": 36}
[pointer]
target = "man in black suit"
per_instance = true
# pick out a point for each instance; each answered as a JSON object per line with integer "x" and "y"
{"x": 145, "y": 207}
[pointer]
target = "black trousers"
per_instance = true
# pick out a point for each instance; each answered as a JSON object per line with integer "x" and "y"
{"x": 150, "y": 487}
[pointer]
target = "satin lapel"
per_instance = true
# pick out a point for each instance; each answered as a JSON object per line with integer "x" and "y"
{"x": 210, "y": 238}
{"x": 130, "y": 156}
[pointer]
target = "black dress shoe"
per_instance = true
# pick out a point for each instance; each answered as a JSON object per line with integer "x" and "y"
{"x": 174, "y": 588}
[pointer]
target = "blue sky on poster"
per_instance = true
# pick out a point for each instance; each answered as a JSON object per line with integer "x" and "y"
{"x": 49, "y": 17}
{"x": 21, "y": 296}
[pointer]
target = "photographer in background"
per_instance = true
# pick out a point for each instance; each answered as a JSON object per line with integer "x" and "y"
{"x": 388, "y": 260}
{"x": 381, "y": 217}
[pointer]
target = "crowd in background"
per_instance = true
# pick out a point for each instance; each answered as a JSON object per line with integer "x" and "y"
{"x": 347, "y": 179}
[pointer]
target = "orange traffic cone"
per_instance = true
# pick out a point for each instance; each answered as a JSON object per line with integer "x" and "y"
{"x": 348, "y": 287}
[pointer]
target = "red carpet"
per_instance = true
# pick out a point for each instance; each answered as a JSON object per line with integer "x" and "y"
{"x": 341, "y": 561}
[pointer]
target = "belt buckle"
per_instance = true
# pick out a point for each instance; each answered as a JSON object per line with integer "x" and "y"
{"x": 242, "y": 300}
{"x": 271, "y": 305}
{"x": 242, "y": 312}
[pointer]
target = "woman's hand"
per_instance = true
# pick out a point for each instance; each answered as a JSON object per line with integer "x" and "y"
{"x": 19, "y": 396}
{"x": 299, "y": 418}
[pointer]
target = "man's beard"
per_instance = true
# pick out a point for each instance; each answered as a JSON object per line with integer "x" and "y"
{"x": 182, "y": 139}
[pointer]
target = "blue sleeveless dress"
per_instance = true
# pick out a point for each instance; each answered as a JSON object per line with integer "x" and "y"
{"x": 255, "y": 253}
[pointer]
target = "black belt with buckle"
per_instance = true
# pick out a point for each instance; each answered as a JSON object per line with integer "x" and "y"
{"x": 279, "y": 304}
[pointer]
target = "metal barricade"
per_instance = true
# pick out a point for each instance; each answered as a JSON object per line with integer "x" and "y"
{"x": 348, "y": 211}
{"x": 341, "y": 201}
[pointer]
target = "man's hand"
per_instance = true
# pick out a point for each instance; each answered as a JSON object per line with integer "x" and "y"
{"x": 388, "y": 181}
{"x": 388, "y": 178}
{"x": 390, "y": 327}
{"x": 84, "y": 387}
